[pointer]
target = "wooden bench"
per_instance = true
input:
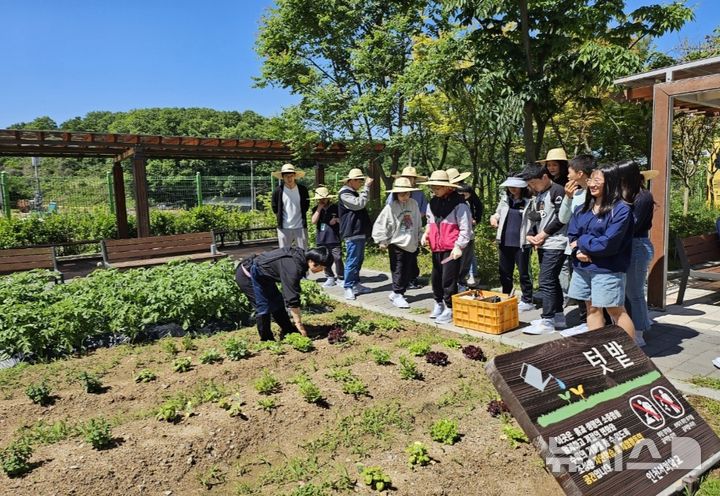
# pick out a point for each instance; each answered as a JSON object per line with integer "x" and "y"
{"x": 22, "y": 259}
{"x": 700, "y": 257}
{"x": 242, "y": 233}
{"x": 156, "y": 250}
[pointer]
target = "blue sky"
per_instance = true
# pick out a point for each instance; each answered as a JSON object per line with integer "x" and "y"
{"x": 66, "y": 58}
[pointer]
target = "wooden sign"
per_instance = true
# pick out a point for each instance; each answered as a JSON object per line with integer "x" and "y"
{"x": 603, "y": 417}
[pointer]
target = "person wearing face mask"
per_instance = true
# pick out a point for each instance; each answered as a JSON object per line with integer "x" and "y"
{"x": 397, "y": 230}
{"x": 290, "y": 203}
{"x": 447, "y": 233}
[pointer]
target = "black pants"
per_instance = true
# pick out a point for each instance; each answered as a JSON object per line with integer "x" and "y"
{"x": 263, "y": 321}
{"x": 414, "y": 268}
{"x": 466, "y": 260}
{"x": 551, "y": 263}
{"x": 401, "y": 264}
{"x": 444, "y": 277}
{"x": 510, "y": 257}
{"x": 336, "y": 251}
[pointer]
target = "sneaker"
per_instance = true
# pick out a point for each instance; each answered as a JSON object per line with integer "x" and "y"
{"x": 349, "y": 294}
{"x": 437, "y": 310}
{"x": 398, "y": 300}
{"x": 574, "y": 331}
{"x": 560, "y": 320}
{"x": 524, "y": 306}
{"x": 414, "y": 284}
{"x": 329, "y": 282}
{"x": 445, "y": 317}
{"x": 470, "y": 280}
{"x": 640, "y": 339}
{"x": 716, "y": 362}
{"x": 360, "y": 289}
{"x": 544, "y": 326}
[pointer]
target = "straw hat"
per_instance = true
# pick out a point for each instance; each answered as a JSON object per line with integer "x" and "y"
{"x": 410, "y": 172}
{"x": 439, "y": 178}
{"x": 402, "y": 185}
{"x": 554, "y": 154}
{"x": 650, "y": 174}
{"x": 514, "y": 182}
{"x": 354, "y": 174}
{"x": 288, "y": 169}
{"x": 322, "y": 193}
{"x": 456, "y": 176}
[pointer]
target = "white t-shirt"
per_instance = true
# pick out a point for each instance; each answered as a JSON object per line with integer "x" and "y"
{"x": 292, "y": 217}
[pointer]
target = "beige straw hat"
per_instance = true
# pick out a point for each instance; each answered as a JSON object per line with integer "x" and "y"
{"x": 288, "y": 169}
{"x": 456, "y": 176}
{"x": 354, "y": 174}
{"x": 554, "y": 154}
{"x": 650, "y": 174}
{"x": 410, "y": 171}
{"x": 439, "y": 178}
{"x": 402, "y": 185}
{"x": 322, "y": 193}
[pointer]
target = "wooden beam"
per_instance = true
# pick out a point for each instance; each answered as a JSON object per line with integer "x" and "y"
{"x": 319, "y": 174}
{"x": 125, "y": 155}
{"x": 642, "y": 93}
{"x": 142, "y": 208}
{"x": 120, "y": 207}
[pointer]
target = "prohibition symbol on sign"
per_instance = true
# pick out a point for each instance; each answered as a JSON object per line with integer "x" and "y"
{"x": 667, "y": 402}
{"x": 646, "y": 411}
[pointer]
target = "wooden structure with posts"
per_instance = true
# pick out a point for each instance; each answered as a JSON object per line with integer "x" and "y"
{"x": 139, "y": 148}
{"x": 690, "y": 87}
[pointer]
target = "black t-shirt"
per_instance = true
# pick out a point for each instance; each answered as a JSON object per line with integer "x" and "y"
{"x": 327, "y": 234}
{"x": 643, "y": 207}
{"x": 513, "y": 222}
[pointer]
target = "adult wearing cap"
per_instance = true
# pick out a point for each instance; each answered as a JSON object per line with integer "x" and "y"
{"x": 327, "y": 219}
{"x": 556, "y": 163}
{"x": 512, "y": 224}
{"x": 447, "y": 233}
{"x": 290, "y": 203}
{"x": 355, "y": 226}
{"x": 419, "y": 196}
{"x": 397, "y": 229}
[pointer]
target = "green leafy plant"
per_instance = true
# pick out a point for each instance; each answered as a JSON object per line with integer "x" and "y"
{"x": 209, "y": 356}
{"x": 182, "y": 364}
{"x": 309, "y": 391}
{"x": 274, "y": 347}
{"x": 236, "y": 349}
{"x": 145, "y": 375}
{"x": 388, "y": 324}
{"x": 91, "y": 383}
{"x": 355, "y": 387}
{"x": 347, "y": 321}
{"x": 379, "y": 355}
{"x": 365, "y": 327}
{"x": 187, "y": 343}
{"x": 375, "y": 478}
{"x": 15, "y": 457}
{"x": 445, "y": 431}
{"x": 267, "y": 404}
{"x": 212, "y": 477}
{"x": 267, "y": 383}
{"x": 299, "y": 342}
{"x": 408, "y": 369}
{"x": 452, "y": 344}
{"x": 512, "y": 432}
{"x": 419, "y": 347}
{"x": 169, "y": 346}
{"x": 98, "y": 434}
{"x": 171, "y": 410}
{"x": 39, "y": 393}
{"x": 417, "y": 454}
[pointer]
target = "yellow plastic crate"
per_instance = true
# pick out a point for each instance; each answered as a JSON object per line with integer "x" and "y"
{"x": 493, "y": 318}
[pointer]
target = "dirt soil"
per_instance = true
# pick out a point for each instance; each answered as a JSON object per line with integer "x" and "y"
{"x": 298, "y": 448}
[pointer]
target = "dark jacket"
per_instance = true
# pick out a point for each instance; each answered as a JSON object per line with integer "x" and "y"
{"x": 327, "y": 234}
{"x": 353, "y": 222}
{"x": 284, "y": 265}
{"x": 277, "y": 203}
{"x": 606, "y": 240}
{"x": 476, "y": 207}
{"x": 642, "y": 209}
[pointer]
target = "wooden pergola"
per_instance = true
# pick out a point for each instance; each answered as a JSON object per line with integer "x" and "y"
{"x": 139, "y": 148}
{"x": 689, "y": 87}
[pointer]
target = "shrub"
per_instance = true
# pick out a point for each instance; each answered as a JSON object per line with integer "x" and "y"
{"x": 97, "y": 433}
{"x": 445, "y": 431}
{"x": 14, "y": 458}
{"x": 236, "y": 349}
{"x": 39, "y": 394}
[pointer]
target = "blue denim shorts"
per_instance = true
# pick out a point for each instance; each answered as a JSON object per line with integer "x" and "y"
{"x": 601, "y": 290}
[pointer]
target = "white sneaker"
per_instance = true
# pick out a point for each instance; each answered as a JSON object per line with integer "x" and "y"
{"x": 560, "y": 320}
{"x": 438, "y": 309}
{"x": 639, "y": 339}
{"x": 349, "y": 294}
{"x": 716, "y": 362}
{"x": 524, "y": 306}
{"x": 398, "y": 300}
{"x": 329, "y": 282}
{"x": 445, "y": 317}
{"x": 574, "y": 331}
{"x": 544, "y": 326}
{"x": 470, "y": 280}
{"x": 360, "y": 289}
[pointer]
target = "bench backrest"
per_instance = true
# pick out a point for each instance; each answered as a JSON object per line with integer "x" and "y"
{"x": 699, "y": 249}
{"x": 21, "y": 259}
{"x": 124, "y": 250}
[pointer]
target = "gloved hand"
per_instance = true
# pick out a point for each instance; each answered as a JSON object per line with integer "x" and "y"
{"x": 456, "y": 253}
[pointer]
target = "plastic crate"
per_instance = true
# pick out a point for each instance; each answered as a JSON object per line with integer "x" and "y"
{"x": 493, "y": 318}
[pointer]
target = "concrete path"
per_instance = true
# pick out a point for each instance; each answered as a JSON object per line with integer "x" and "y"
{"x": 682, "y": 343}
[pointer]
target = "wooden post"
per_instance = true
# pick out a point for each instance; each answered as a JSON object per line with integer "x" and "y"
{"x": 660, "y": 156}
{"x": 142, "y": 209}
{"x": 319, "y": 174}
{"x": 373, "y": 172}
{"x": 120, "y": 207}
